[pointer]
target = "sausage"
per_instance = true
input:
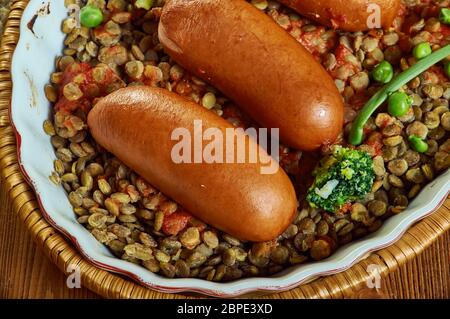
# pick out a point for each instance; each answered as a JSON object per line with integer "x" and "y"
{"x": 347, "y": 15}
{"x": 253, "y": 61}
{"x": 136, "y": 125}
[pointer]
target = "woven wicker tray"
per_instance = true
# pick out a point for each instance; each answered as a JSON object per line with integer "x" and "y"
{"x": 106, "y": 284}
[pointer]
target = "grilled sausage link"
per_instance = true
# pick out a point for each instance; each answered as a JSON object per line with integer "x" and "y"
{"x": 253, "y": 61}
{"x": 137, "y": 124}
{"x": 348, "y": 15}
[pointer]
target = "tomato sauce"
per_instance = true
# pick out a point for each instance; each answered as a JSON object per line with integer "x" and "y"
{"x": 358, "y": 100}
{"x": 315, "y": 42}
{"x": 93, "y": 83}
{"x": 175, "y": 222}
{"x": 342, "y": 53}
{"x": 376, "y": 141}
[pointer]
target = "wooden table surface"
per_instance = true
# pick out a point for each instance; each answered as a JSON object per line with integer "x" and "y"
{"x": 25, "y": 272}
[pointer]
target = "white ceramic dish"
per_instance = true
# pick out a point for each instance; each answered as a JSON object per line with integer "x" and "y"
{"x": 32, "y": 64}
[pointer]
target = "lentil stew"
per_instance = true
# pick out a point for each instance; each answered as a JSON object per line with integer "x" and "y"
{"x": 141, "y": 225}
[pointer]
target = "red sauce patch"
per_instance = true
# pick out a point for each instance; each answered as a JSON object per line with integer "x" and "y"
{"x": 315, "y": 43}
{"x": 358, "y": 100}
{"x": 176, "y": 222}
{"x": 376, "y": 141}
{"x": 345, "y": 208}
{"x": 341, "y": 53}
{"x": 445, "y": 30}
{"x": 306, "y": 166}
{"x": 91, "y": 86}
{"x": 439, "y": 72}
{"x": 404, "y": 43}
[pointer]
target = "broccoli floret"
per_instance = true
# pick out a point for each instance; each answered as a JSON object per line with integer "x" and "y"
{"x": 347, "y": 175}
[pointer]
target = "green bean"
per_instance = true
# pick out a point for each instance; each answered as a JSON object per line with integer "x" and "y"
{"x": 357, "y": 130}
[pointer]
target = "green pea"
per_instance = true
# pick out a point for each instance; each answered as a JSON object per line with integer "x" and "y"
{"x": 447, "y": 69}
{"x": 91, "y": 16}
{"x": 144, "y": 4}
{"x": 399, "y": 103}
{"x": 418, "y": 144}
{"x": 444, "y": 15}
{"x": 422, "y": 50}
{"x": 383, "y": 72}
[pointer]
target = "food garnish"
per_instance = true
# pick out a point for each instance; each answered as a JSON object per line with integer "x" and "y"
{"x": 344, "y": 176}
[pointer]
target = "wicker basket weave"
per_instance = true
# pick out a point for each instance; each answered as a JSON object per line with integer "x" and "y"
{"x": 106, "y": 284}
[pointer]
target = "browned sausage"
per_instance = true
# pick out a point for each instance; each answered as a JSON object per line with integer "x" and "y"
{"x": 348, "y": 15}
{"x": 252, "y": 60}
{"x": 136, "y": 125}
